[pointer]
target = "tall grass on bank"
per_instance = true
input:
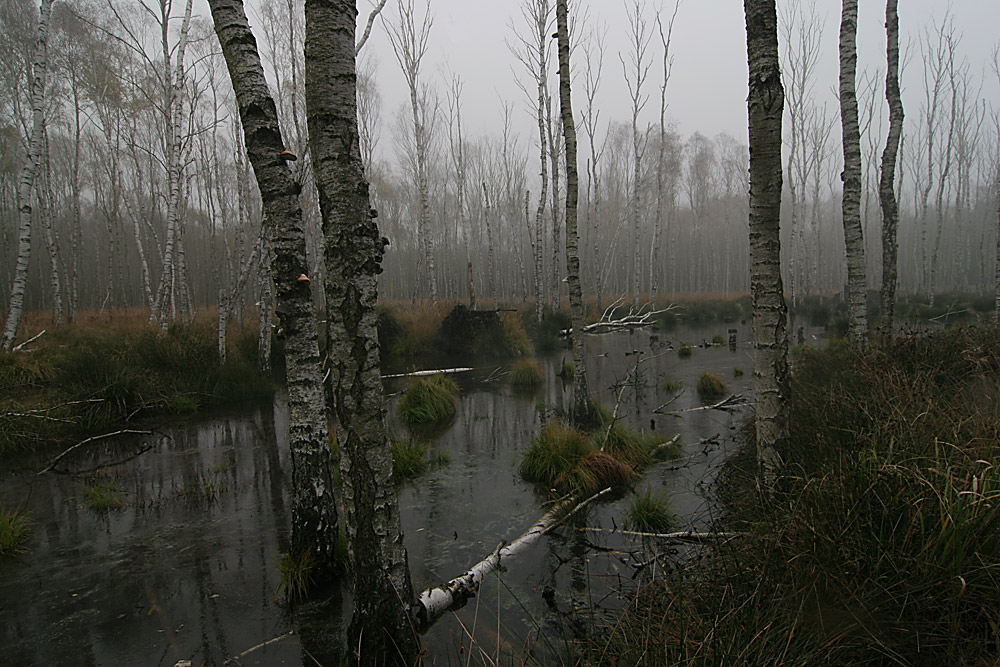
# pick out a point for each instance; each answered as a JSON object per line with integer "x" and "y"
{"x": 104, "y": 371}
{"x": 880, "y": 544}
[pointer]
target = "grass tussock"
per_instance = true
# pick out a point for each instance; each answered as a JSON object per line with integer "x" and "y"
{"x": 572, "y": 461}
{"x": 103, "y": 371}
{"x": 883, "y": 527}
{"x": 411, "y": 458}
{"x": 429, "y": 400}
{"x": 101, "y": 497}
{"x": 685, "y": 351}
{"x": 650, "y": 512}
{"x": 14, "y": 531}
{"x": 295, "y": 572}
{"x": 711, "y": 386}
{"x": 526, "y": 373}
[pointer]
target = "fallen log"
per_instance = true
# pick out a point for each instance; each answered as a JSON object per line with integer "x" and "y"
{"x": 434, "y": 602}
{"x": 30, "y": 340}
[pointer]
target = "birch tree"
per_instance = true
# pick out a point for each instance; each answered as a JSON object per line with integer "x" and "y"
{"x": 409, "y": 44}
{"x": 380, "y": 629}
{"x": 314, "y": 516}
{"x": 857, "y": 285}
{"x": 531, "y": 49}
{"x": 661, "y": 153}
{"x": 26, "y": 189}
{"x": 635, "y": 73}
{"x": 764, "y": 109}
{"x": 581, "y": 398}
{"x": 887, "y": 192}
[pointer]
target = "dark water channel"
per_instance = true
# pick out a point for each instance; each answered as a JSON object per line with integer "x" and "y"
{"x": 186, "y": 568}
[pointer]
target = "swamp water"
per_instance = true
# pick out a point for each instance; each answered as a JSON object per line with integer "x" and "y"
{"x": 186, "y": 567}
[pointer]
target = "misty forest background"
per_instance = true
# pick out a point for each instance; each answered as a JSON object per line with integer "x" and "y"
{"x": 661, "y": 214}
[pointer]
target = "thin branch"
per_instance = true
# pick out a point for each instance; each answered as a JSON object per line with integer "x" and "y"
{"x": 94, "y": 438}
{"x": 368, "y": 28}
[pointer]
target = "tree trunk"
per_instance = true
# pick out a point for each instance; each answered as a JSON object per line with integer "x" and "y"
{"x": 314, "y": 517}
{"x": 29, "y": 172}
{"x": 381, "y": 627}
{"x": 887, "y": 192}
{"x": 581, "y": 407}
{"x": 764, "y": 109}
{"x": 857, "y": 283}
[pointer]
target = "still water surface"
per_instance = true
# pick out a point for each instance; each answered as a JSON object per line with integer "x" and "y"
{"x": 186, "y": 569}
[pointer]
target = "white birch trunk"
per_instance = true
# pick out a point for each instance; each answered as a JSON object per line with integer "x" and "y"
{"x": 857, "y": 282}
{"x": 887, "y": 192}
{"x": 764, "y": 107}
{"x": 29, "y": 172}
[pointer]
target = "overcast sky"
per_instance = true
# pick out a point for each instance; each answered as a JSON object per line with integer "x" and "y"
{"x": 707, "y": 89}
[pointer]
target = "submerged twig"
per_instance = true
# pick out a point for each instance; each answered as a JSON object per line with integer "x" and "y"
{"x": 439, "y": 371}
{"x": 732, "y": 401}
{"x": 688, "y": 536}
{"x": 236, "y": 658}
{"x": 92, "y": 438}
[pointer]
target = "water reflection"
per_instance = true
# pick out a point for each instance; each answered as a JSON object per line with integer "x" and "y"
{"x": 187, "y": 569}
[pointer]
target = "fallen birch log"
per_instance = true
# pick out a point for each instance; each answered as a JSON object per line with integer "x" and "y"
{"x": 30, "y": 340}
{"x": 442, "y": 371}
{"x": 434, "y": 602}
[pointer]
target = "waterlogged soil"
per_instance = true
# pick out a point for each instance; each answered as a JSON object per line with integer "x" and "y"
{"x": 183, "y": 565}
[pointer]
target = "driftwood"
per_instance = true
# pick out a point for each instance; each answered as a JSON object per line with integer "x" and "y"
{"x": 93, "y": 438}
{"x": 732, "y": 401}
{"x": 441, "y": 371}
{"x": 434, "y": 602}
{"x": 632, "y": 319}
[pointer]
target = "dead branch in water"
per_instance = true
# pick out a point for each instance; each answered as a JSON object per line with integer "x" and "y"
{"x": 732, "y": 401}
{"x": 634, "y": 318}
{"x": 93, "y": 438}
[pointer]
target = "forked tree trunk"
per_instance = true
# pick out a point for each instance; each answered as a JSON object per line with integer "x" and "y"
{"x": 314, "y": 515}
{"x": 581, "y": 407}
{"x": 29, "y": 172}
{"x": 381, "y": 627}
{"x": 887, "y": 192}
{"x": 764, "y": 109}
{"x": 857, "y": 282}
